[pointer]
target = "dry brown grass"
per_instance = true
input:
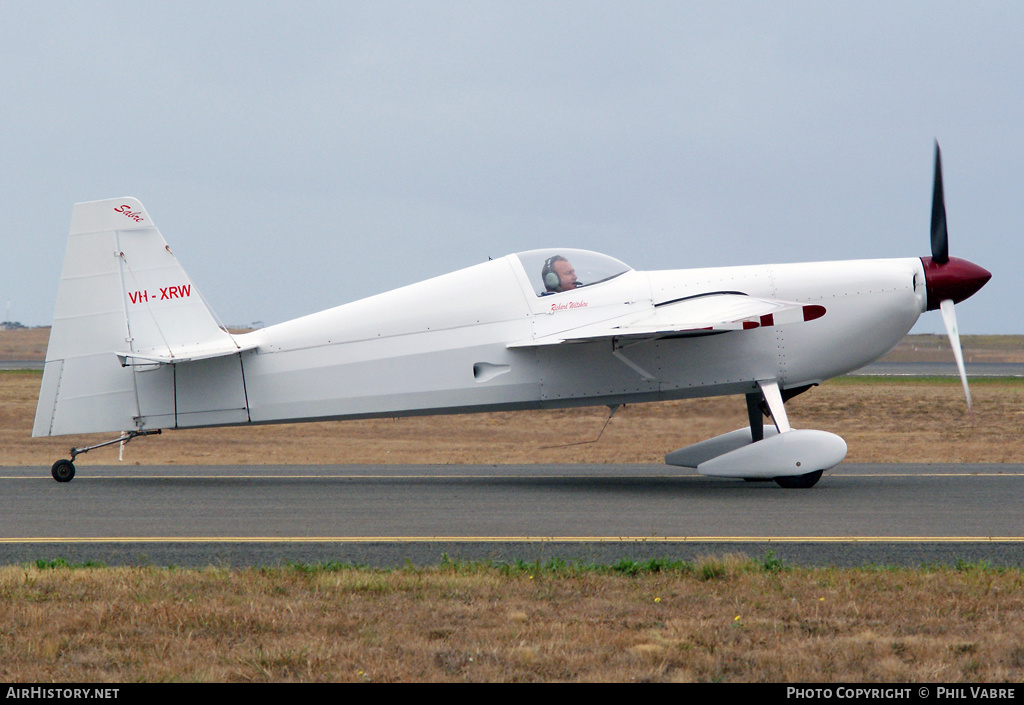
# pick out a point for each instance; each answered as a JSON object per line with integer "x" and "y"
{"x": 882, "y": 421}
{"x": 720, "y": 620}
{"x": 24, "y": 343}
{"x": 976, "y": 348}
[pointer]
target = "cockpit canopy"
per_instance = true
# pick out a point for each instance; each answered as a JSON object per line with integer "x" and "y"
{"x": 548, "y": 272}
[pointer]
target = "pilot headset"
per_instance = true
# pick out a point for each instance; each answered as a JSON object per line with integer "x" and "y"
{"x": 551, "y": 279}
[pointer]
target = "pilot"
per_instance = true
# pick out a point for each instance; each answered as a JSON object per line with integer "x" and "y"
{"x": 558, "y": 275}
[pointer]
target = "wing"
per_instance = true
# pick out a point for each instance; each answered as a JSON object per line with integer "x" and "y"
{"x": 703, "y": 314}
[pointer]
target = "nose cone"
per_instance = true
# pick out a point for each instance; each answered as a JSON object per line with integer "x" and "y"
{"x": 956, "y": 279}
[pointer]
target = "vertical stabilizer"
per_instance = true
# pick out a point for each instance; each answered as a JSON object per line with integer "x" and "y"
{"x": 122, "y": 291}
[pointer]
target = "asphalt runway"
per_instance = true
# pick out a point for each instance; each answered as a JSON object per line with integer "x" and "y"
{"x": 389, "y": 515}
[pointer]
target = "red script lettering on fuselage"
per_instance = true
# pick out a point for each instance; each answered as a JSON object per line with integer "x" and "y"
{"x": 568, "y": 305}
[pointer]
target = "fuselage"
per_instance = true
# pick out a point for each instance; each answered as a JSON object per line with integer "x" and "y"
{"x": 442, "y": 345}
{"x": 479, "y": 339}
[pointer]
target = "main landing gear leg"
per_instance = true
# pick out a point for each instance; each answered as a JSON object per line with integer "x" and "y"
{"x": 776, "y": 407}
{"x": 755, "y": 415}
{"x": 64, "y": 470}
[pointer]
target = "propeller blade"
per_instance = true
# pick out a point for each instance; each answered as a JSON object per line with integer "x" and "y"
{"x": 940, "y": 236}
{"x": 949, "y": 318}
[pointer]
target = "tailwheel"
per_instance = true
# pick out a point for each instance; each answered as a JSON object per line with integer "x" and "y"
{"x": 63, "y": 471}
{"x": 799, "y": 481}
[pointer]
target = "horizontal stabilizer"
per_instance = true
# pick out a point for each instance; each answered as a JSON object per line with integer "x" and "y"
{"x": 185, "y": 353}
{"x": 696, "y": 315}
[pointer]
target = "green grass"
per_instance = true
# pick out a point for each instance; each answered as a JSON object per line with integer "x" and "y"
{"x": 705, "y": 568}
{"x": 53, "y": 564}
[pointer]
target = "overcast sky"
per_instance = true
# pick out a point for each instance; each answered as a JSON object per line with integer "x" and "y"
{"x": 300, "y": 155}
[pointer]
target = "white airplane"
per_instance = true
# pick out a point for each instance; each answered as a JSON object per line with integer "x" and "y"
{"x": 134, "y": 348}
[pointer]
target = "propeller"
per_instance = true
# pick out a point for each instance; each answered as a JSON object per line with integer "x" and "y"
{"x": 940, "y": 235}
{"x": 949, "y": 280}
{"x": 949, "y": 319}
